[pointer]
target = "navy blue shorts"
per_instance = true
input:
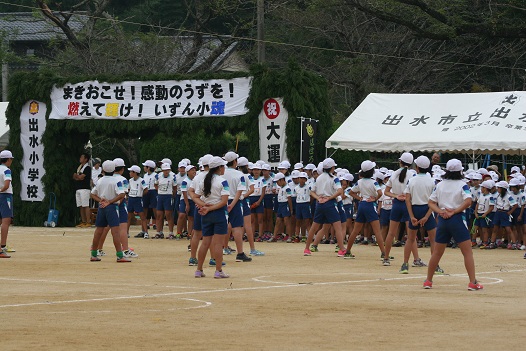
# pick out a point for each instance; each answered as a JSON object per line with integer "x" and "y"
{"x": 294, "y": 202}
{"x": 123, "y": 212}
{"x": 482, "y": 223}
{"x": 235, "y": 216}
{"x": 515, "y": 215}
{"x": 108, "y": 216}
{"x": 182, "y": 207}
{"x": 268, "y": 201}
{"x": 399, "y": 212}
{"x": 165, "y": 202}
{"x": 420, "y": 212}
{"x": 177, "y": 203}
{"x": 275, "y": 208}
{"x": 385, "y": 217}
{"x": 303, "y": 211}
{"x": 283, "y": 210}
{"x": 501, "y": 219}
{"x": 454, "y": 227}
{"x": 313, "y": 204}
{"x": 135, "y": 204}
{"x": 246, "y": 207}
{"x": 260, "y": 208}
{"x": 343, "y": 216}
{"x": 6, "y": 205}
{"x": 197, "y": 219}
{"x": 150, "y": 199}
{"x": 349, "y": 209}
{"x": 367, "y": 212}
{"x": 215, "y": 222}
{"x": 327, "y": 213}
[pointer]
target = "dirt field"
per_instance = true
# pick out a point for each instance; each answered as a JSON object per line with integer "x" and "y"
{"x": 53, "y": 298}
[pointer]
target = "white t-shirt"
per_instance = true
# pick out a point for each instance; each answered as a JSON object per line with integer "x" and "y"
{"x": 198, "y": 181}
{"x": 475, "y": 193}
{"x": 150, "y": 180}
{"x": 348, "y": 198}
{"x": 302, "y": 194}
{"x": 270, "y": 185}
{"x": 5, "y": 174}
{"x": 218, "y": 189}
{"x": 136, "y": 187}
{"x": 519, "y": 198}
{"x": 186, "y": 184}
{"x": 366, "y": 187}
{"x": 420, "y": 187}
{"x": 484, "y": 202}
{"x": 505, "y": 203}
{"x": 259, "y": 184}
{"x": 165, "y": 185}
{"x": 178, "y": 180}
{"x": 123, "y": 181}
{"x": 95, "y": 174}
{"x": 387, "y": 201}
{"x": 108, "y": 187}
{"x": 398, "y": 187}
{"x": 236, "y": 181}
{"x": 284, "y": 193}
{"x": 450, "y": 193}
{"x": 326, "y": 185}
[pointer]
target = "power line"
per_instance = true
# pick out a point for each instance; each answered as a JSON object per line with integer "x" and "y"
{"x": 300, "y": 46}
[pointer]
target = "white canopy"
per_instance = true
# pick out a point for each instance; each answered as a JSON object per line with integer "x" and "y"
{"x": 492, "y": 123}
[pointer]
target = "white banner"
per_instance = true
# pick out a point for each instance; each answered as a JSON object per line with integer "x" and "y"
{"x": 272, "y": 123}
{"x": 32, "y": 126}
{"x": 151, "y": 100}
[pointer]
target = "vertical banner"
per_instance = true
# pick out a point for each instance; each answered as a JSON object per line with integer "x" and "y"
{"x": 309, "y": 130}
{"x": 272, "y": 123}
{"x": 32, "y": 125}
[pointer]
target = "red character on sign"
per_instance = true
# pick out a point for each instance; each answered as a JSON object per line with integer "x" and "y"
{"x": 73, "y": 109}
{"x": 271, "y": 108}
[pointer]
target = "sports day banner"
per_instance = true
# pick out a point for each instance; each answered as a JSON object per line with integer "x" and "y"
{"x": 32, "y": 126}
{"x": 309, "y": 130}
{"x": 272, "y": 122}
{"x": 135, "y": 100}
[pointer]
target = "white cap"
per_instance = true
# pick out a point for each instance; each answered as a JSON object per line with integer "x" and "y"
{"x": 383, "y": 170}
{"x": 242, "y": 161}
{"x": 494, "y": 175}
{"x": 165, "y": 166}
{"x": 367, "y": 165}
{"x": 515, "y": 169}
{"x": 488, "y": 184}
{"x": 515, "y": 182}
{"x": 189, "y": 167}
{"x": 279, "y": 176}
{"x": 284, "y": 165}
{"x": 250, "y": 165}
{"x": 345, "y": 170}
{"x": 187, "y": 161}
{"x": 310, "y": 166}
{"x": 337, "y": 170}
{"x": 6, "y": 154}
{"x": 378, "y": 175}
{"x": 298, "y": 165}
{"x": 119, "y": 162}
{"x": 257, "y": 166}
{"x": 266, "y": 167}
{"x": 108, "y": 166}
{"x": 436, "y": 168}
{"x": 454, "y": 165}
{"x": 205, "y": 160}
{"x": 328, "y": 163}
{"x": 422, "y": 162}
{"x": 303, "y": 175}
{"x": 295, "y": 174}
{"x": 348, "y": 176}
{"x": 406, "y": 157}
{"x": 502, "y": 184}
{"x": 320, "y": 168}
{"x": 521, "y": 179}
{"x": 483, "y": 171}
{"x": 230, "y": 156}
{"x": 476, "y": 176}
{"x": 135, "y": 169}
{"x": 149, "y": 163}
{"x": 389, "y": 173}
{"x": 216, "y": 161}
{"x": 340, "y": 175}
{"x": 167, "y": 160}
{"x": 182, "y": 164}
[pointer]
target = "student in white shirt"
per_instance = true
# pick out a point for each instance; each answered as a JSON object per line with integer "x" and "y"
{"x": 484, "y": 212}
{"x": 505, "y": 205}
{"x": 149, "y": 199}
{"x": 165, "y": 185}
{"x": 182, "y": 220}
{"x": 137, "y": 190}
{"x": 6, "y": 199}
{"x": 303, "y": 210}
{"x": 284, "y": 205}
{"x": 252, "y": 204}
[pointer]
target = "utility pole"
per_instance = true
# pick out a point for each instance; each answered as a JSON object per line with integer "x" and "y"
{"x": 261, "y": 30}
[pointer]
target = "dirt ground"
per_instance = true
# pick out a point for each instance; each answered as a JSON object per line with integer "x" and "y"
{"x": 53, "y": 298}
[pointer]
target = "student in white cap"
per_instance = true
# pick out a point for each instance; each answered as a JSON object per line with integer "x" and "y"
{"x": 6, "y": 199}
{"x": 253, "y": 210}
{"x": 516, "y": 216}
{"x": 109, "y": 192}
{"x": 484, "y": 212}
{"x": 137, "y": 190}
{"x": 475, "y": 180}
{"x": 268, "y": 204}
{"x": 303, "y": 210}
{"x": 165, "y": 185}
{"x": 182, "y": 224}
{"x": 284, "y": 207}
{"x": 212, "y": 193}
{"x": 395, "y": 189}
{"x": 505, "y": 204}
{"x": 298, "y": 167}
{"x": 348, "y": 203}
{"x": 449, "y": 200}
{"x": 186, "y": 205}
{"x": 149, "y": 200}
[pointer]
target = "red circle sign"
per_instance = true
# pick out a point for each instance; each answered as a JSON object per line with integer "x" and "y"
{"x": 271, "y": 108}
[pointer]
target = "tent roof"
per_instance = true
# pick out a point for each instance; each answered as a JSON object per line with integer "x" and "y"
{"x": 482, "y": 123}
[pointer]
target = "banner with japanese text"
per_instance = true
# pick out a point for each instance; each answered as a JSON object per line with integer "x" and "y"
{"x": 309, "y": 130}
{"x": 134, "y": 100}
{"x": 32, "y": 126}
{"x": 272, "y": 122}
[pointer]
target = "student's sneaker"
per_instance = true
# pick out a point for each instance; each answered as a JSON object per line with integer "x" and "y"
{"x": 140, "y": 235}
{"x": 123, "y": 259}
{"x": 348, "y": 255}
{"x": 475, "y": 286}
{"x": 296, "y": 239}
{"x": 510, "y": 246}
{"x": 483, "y": 246}
{"x": 308, "y": 252}
{"x": 418, "y": 263}
{"x": 473, "y": 243}
{"x": 439, "y": 270}
{"x": 189, "y": 247}
{"x": 290, "y": 239}
{"x": 130, "y": 254}
{"x": 170, "y": 237}
{"x": 386, "y": 262}
{"x": 272, "y": 240}
{"x": 178, "y": 237}
{"x": 398, "y": 243}
{"x": 303, "y": 239}
{"x": 199, "y": 274}
{"x": 428, "y": 284}
{"x": 341, "y": 253}
{"x": 146, "y": 236}
{"x": 220, "y": 275}
{"x": 80, "y": 225}
{"x": 525, "y": 256}
{"x": 314, "y": 248}
{"x": 3, "y": 253}
{"x": 212, "y": 263}
{"x": 94, "y": 259}
{"x": 101, "y": 253}
{"x": 523, "y": 247}
{"x": 256, "y": 253}
{"x": 192, "y": 261}
{"x": 241, "y": 257}
{"x": 286, "y": 239}
{"x": 382, "y": 256}
{"x": 337, "y": 248}
{"x": 491, "y": 246}
{"x": 227, "y": 251}
{"x": 9, "y": 249}
{"x": 404, "y": 269}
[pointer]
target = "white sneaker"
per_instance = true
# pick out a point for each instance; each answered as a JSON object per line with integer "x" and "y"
{"x": 146, "y": 236}
{"x": 523, "y": 247}
{"x": 101, "y": 253}
{"x": 130, "y": 254}
{"x": 9, "y": 249}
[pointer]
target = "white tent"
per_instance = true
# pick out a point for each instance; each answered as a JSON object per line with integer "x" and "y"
{"x": 4, "y": 128}
{"x": 493, "y": 123}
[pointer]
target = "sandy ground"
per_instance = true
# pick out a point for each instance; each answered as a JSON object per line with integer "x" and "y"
{"x": 53, "y": 298}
